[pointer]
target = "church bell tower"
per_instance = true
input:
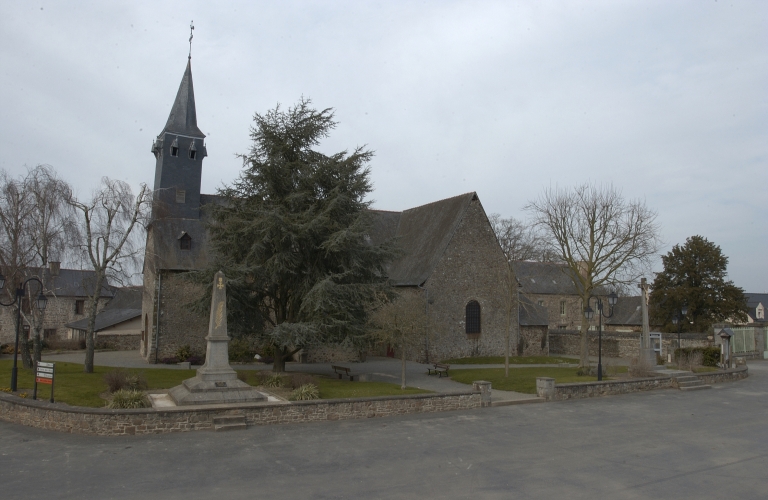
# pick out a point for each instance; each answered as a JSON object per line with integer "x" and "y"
{"x": 179, "y": 151}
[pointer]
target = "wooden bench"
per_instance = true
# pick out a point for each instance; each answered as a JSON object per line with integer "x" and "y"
{"x": 341, "y": 370}
{"x": 439, "y": 369}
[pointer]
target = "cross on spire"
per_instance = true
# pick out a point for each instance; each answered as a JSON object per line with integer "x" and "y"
{"x": 191, "y": 28}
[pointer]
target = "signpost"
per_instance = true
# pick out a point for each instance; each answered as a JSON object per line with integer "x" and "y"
{"x": 44, "y": 374}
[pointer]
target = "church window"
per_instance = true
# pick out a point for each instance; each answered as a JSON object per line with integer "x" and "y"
{"x": 174, "y": 151}
{"x": 540, "y": 302}
{"x": 192, "y": 154}
{"x": 181, "y": 196}
{"x": 473, "y": 318}
{"x": 562, "y": 308}
{"x": 185, "y": 242}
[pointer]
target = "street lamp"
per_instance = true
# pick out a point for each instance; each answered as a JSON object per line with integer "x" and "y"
{"x": 677, "y": 320}
{"x": 42, "y": 301}
{"x": 589, "y": 313}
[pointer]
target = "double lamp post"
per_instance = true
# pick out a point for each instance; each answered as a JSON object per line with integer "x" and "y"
{"x": 589, "y": 313}
{"x": 42, "y": 301}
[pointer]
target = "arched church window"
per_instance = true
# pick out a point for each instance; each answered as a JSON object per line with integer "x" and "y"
{"x": 473, "y": 318}
{"x": 175, "y": 147}
{"x": 192, "y": 150}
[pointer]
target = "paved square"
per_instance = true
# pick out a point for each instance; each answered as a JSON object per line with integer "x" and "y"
{"x": 662, "y": 444}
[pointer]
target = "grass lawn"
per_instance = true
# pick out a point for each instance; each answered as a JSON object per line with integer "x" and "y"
{"x": 520, "y": 379}
{"x": 513, "y": 360}
{"x": 82, "y": 389}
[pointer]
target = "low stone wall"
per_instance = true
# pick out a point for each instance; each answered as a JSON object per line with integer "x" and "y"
{"x": 559, "y": 392}
{"x": 619, "y": 344}
{"x": 119, "y": 341}
{"x": 105, "y": 422}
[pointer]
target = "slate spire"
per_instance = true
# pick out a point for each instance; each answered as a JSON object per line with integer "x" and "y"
{"x": 183, "y": 117}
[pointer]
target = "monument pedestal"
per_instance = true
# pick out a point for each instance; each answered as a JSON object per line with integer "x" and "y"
{"x": 216, "y": 382}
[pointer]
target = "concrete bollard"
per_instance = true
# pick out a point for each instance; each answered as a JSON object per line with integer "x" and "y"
{"x": 545, "y": 387}
{"x": 485, "y": 391}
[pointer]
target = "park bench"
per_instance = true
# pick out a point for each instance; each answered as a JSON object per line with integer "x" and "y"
{"x": 439, "y": 369}
{"x": 341, "y": 370}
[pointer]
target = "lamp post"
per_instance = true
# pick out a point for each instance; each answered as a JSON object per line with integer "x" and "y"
{"x": 589, "y": 313}
{"x": 42, "y": 301}
{"x": 677, "y": 320}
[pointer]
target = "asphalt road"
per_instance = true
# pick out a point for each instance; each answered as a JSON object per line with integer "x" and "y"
{"x": 661, "y": 444}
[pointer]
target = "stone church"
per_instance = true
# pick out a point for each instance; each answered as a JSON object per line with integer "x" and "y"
{"x": 451, "y": 258}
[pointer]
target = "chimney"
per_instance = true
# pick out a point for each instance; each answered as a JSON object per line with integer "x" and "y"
{"x": 54, "y": 267}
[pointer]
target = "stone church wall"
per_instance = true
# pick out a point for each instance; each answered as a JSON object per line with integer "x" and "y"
{"x": 473, "y": 267}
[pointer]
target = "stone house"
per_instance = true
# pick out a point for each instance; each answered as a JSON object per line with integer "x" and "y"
{"x": 67, "y": 291}
{"x": 118, "y": 324}
{"x": 549, "y": 285}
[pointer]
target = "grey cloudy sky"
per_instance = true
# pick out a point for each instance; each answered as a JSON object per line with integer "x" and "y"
{"x": 664, "y": 99}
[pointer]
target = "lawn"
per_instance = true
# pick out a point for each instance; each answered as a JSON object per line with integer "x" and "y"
{"x": 76, "y": 388}
{"x": 513, "y": 360}
{"x": 520, "y": 379}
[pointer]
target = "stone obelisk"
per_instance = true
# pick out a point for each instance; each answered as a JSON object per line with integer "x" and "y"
{"x": 216, "y": 382}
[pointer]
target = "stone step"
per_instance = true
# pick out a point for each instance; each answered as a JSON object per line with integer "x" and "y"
{"x": 689, "y": 383}
{"x": 229, "y": 423}
{"x": 687, "y": 378}
{"x": 510, "y": 402}
{"x": 229, "y": 427}
{"x": 696, "y": 387}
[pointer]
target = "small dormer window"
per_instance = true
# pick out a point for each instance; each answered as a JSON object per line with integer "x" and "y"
{"x": 185, "y": 242}
{"x": 760, "y": 312}
{"x": 181, "y": 196}
{"x": 192, "y": 150}
{"x": 175, "y": 147}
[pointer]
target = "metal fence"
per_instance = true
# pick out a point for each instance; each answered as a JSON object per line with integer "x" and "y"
{"x": 743, "y": 340}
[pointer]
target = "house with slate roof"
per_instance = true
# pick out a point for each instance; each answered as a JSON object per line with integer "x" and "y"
{"x": 118, "y": 324}
{"x": 67, "y": 291}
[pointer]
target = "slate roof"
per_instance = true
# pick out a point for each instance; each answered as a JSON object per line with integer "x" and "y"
{"x": 627, "y": 311}
{"x": 423, "y": 234}
{"x": 532, "y": 314}
{"x": 125, "y": 306}
{"x": 68, "y": 283}
{"x": 753, "y": 299}
{"x": 183, "y": 117}
{"x": 546, "y": 278}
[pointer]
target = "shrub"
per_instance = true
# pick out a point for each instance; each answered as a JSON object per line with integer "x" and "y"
{"x": 710, "y": 356}
{"x": 299, "y": 379}
{"x": 128, "y": 399}
{"x": 272, "y": 380}
{"x": 6, "y": 349}
{"x": 171, "y": 360}
{"x": 118, "y": 380}
{"x": 305, "y": 392}
{"x": 240, "y": 350}
{"x": 183, "y": 353}
{"x": 640, "y": 367}
{"x": 196, "y": 360}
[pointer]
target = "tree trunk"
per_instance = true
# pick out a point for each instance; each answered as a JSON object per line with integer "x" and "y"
{"x": 90, "y": 334}
{"x": 584, "y": 357}
{"x": 26, "y": 355}
{"x": 38, "y": 346}
{"x": 402, "y": 368}
{"x": 279, "y": 363}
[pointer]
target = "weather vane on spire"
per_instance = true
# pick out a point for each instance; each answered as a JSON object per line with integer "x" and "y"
{"x": 191, "y": 28}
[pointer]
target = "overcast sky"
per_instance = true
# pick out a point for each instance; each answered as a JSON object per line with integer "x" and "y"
{"x": 666, "y": 100}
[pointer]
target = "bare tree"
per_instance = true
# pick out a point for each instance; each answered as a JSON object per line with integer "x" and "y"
{"x": 521, "y": 241}
{"x": 604, "y": 239}
{"x": 399, "y": 322}
{"x": 16, "y": 246}
{"x": 52, "y": 228}
{"x": 110, "y": 244}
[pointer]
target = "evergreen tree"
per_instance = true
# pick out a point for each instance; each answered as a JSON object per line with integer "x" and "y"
{"x": 694, "y": 276}
{"x": 292, "y": 237}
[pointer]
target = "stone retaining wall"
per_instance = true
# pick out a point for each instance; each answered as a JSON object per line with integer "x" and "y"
{"x": 106, "y": 422}
{"x": 610, "y": 387}
{"x": 619, "y": 344}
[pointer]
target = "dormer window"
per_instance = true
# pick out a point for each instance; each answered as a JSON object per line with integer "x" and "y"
{"x": 192, "y": 150}
{"x": 185, "y": 242}
{"x": 175, "y": 147}
{"x": 760, "y": 312}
